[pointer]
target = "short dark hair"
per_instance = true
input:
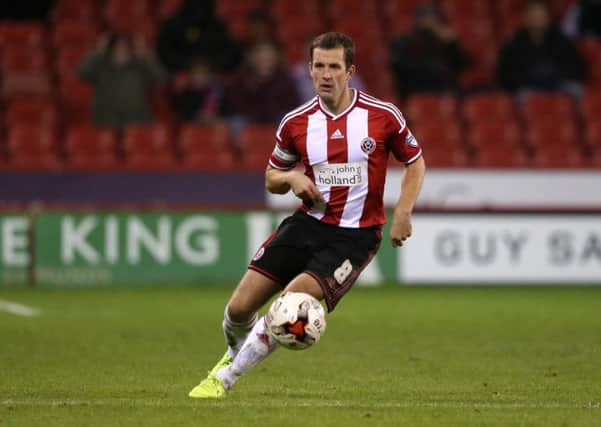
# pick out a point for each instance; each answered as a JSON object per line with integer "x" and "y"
{"x": 333, "y": 40}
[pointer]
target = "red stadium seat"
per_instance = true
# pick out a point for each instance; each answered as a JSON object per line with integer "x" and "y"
{"x": 546, "y": 134}
{"x": 32, "y": 112}
{"x": 76, "y": 101}
{"x": 194, "y": 138}
{"x": 508, "y": 9}
{"x": 26, "y": 84}
{"x": 74, "y": 33}
{"x": 394, "y": 8}
{"x": 553, "y": 107}
{"x": 442, "y": 143}
{"x": 456, "y": 9}
{"x": 167, "y": 8}
{"x": 256, "y": 143}
{"x": 558, "y": 157}
{"x": 505, "y": 134}
{"x": 21, "y": 34}
{"x": 236, "y": 8}
{"x": 594, "y": 161}
{"x": 488, "y": 107}
{"x": 398, "y": 16}
{"x": 481, "y": 71}
{"x": 442, "y": 156}
{"x": 147, "y": 138}
{"x": 119, "y": 13}
{"x": 341, "y": 10}
{"x": 432, "y": 107}
{"x": 590, "y": 48}
{"x": 78, "y": 10}
{"x": 429, "y": 133}
{"x": 15, "y": 59}
{"x": 500, "y": 156}
{"x": 68, "y": 59}
{"x": 593, "y": 133}
{"x": 4, "y": 162}
{"x": 206, "y": 148}
{"x": 91, "y": 148}
{"x": 256, "y": 136}
{"x": 561, "y": 7}
{"x": 296, "y": 33}
{"x": 149, "y": 147}
{"x": 591, "y": 105}
{"x": 367, "y": 34}
{"x": 33, "y": 148}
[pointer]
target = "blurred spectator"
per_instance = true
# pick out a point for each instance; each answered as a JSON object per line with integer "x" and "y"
{"x": 583, "y": 19}
{"x": 429, "y": 58}
{"x": 121, "y": 72}
{"x": 195, "y": 30}
{"x": 539, "y": 56}
{"x": 304, "y": 82}
{"x": 197, "y": 96}
{"x": 263, "y": 91}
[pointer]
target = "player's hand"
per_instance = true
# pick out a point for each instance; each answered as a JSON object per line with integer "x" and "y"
{"x": 400, "y": 229}
{"x": 305, "y": 189}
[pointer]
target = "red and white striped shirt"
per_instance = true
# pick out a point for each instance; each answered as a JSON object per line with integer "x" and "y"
{"x": 345, "y": 155}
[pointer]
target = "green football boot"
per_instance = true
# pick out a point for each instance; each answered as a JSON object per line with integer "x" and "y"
{"x": 211, "y": 386}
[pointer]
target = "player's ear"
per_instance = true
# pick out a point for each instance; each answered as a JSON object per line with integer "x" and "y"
{"x": 351, "y": 71}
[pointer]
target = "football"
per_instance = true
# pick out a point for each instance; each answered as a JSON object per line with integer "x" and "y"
{"x": 296, "y": 320}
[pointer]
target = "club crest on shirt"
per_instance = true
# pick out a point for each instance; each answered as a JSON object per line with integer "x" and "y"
{"x": 368, "y": 145}
{"x": 410, "y": 139}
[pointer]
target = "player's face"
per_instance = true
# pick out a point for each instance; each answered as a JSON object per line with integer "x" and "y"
{"x": 329, "y": 73}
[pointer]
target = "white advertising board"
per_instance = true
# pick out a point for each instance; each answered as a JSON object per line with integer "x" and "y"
{"x": 503, "y": 248}
{"x": 490, "y": 189}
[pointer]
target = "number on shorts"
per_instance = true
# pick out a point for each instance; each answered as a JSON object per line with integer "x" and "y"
{"x": 342, "y": 272}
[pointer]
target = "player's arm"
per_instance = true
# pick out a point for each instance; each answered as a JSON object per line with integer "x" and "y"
{"x": 281, "y": 181}
{"x": 400, "y": 228}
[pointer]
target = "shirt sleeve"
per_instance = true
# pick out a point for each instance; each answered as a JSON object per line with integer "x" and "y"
{"x": 284, "y": 155}
{"x": 403, "y": 144}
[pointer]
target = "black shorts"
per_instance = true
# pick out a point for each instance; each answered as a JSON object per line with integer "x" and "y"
{"x": 333, "y": 255}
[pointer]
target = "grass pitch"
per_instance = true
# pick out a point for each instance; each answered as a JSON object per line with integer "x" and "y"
{"x": 391, "y": 356}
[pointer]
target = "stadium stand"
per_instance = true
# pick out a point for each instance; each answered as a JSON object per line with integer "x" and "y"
{"x": 255, "y": 144}
{"x": 32, "y": 147}
{"x": 206, "y": 147}
{"x": 45, "y": 108}
{"x": 149, "y": 147}
{"x": 91, "y": 148}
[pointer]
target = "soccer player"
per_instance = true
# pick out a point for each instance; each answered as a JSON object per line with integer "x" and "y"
{"x": 343, "y": 138}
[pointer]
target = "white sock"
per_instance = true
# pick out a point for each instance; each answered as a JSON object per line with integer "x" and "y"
{"x": 235, "y": 333}
{"x": 256, "y": 348}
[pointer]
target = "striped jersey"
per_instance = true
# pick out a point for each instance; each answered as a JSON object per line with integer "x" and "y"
{"x": 345, "y": 155}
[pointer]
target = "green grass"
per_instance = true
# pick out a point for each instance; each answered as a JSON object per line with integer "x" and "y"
{"x": 390, "y": 357}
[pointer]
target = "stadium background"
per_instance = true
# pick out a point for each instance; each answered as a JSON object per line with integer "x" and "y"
{"x": 122, "y": 195}
{"x": 119, "y": 250}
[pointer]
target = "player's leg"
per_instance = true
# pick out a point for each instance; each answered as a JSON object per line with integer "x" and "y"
{"x": 281, "y": 257}
{"x": 240, "y": 317}
{"x": 254, "y": 290}
{"x": 305, "y": 282}
{"x": 260, "y": 344}
{"x": 329, "y": 274}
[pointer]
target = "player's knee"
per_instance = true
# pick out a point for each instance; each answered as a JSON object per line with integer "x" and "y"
{"x": 239, "y": 312}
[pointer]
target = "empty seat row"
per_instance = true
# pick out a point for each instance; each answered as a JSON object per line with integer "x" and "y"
{"x": 140, "y": 147}
{"x": 215, "y": 148}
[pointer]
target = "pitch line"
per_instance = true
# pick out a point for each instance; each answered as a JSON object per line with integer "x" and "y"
{"x": 18, "y": 309}
{"x": 296, "y": 404}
